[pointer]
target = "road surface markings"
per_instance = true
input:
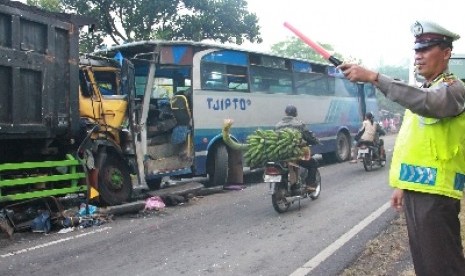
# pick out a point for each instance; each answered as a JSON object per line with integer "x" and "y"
{"x": 53, "y": 242}
{"x": 328, "y": 251}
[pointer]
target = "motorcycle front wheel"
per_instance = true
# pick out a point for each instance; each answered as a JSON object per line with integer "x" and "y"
{"x": 278, "y": 199}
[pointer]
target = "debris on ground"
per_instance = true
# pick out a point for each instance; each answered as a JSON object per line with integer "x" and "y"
{"x": 173, "y": 200}
{"x": 42, "y": 215}
{"x": 235, "y": 187}
{"x": 5, "y": 226}
{"x": 154, "y": 203}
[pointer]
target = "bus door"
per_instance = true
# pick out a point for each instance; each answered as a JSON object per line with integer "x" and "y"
{"x": 168, "y": 124}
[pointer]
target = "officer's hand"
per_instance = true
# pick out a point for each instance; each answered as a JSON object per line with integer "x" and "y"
{"x": 397, "y": 199}
{"x": 354, "y": 72}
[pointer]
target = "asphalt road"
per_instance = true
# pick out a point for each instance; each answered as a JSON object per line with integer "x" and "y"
{"x": 228, "y": 233}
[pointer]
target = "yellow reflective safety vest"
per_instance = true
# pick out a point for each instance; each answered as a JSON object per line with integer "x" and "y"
{"x": 429, "y": 155}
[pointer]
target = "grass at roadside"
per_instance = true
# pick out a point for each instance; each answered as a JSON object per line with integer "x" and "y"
{"x": 383, "y": 254}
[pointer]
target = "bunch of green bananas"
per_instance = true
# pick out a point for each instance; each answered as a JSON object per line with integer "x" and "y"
{"x": 267, "y": 145}
{"x": 270, "y": 145}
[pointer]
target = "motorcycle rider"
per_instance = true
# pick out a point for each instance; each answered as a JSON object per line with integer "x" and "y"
{"x": 369, "y": 134}
{"x": 290, "y": 121}
{"x": 380, "y": 142}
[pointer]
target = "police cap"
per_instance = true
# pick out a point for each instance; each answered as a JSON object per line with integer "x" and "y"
{"x": 429, "y": 33}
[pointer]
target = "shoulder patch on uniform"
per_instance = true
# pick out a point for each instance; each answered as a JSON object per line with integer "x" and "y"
{"x": 449, "y": 80}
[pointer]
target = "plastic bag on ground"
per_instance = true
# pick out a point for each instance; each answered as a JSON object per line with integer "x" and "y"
{"x": 154, "y": 203}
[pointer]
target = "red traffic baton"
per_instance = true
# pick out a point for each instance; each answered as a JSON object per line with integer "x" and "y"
{"x": 315, "y": 46}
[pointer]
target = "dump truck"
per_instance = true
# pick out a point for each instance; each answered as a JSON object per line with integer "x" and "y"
{"x": 64, "y": 127}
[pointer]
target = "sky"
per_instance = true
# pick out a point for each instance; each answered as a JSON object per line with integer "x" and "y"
{"x": 376, "y": 32}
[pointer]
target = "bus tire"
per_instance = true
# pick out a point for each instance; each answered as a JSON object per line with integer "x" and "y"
{"x": 114, "y": 180}
{"x": 342, "y": 152}
{"x": 218, "y": 167}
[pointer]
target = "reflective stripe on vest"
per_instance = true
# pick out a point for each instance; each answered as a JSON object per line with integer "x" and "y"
{"x": 417, "y": 174}
{"x": 427, "y": 176}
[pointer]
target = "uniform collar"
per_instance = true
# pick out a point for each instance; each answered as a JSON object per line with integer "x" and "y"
{"x": 436, "y": 79}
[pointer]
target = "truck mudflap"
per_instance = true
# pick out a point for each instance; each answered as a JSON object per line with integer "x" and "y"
{"x": 27, "y": 180}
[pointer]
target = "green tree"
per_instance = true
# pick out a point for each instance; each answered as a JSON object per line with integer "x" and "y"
{"x": 130, "y": 20}
{"x": 50, "y": 5}
{"x": 295, "y": 48}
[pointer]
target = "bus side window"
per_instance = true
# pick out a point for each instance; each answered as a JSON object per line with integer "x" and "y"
{"x": 237, "y": 78}
{"x": 313, "y": 84}
{"x": 345, "y": 88}
{"x": 213, "y": 76}
{"x": 281, "y": 86}
{"x": 271, "y": 80}
{"x": 259, "y": 84}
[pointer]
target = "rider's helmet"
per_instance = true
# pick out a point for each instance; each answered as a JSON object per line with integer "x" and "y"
{"x": 369, "y": 116}
{"x": 291, "y": 111}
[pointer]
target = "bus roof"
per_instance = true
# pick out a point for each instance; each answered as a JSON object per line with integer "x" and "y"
{"x": 148, "y": 46}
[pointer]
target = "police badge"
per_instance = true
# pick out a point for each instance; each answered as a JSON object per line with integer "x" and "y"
{"x": 417, "y": 29}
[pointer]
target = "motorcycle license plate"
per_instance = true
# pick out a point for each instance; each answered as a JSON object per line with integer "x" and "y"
{"x": 272, "y": 178}
{"x": 363, "y": 150}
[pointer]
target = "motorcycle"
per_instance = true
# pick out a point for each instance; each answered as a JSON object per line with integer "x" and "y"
{"x": 370, "y": 155}
{"x": 281, "y": 176}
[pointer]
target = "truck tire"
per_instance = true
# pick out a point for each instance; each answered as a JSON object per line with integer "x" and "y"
{"x": 114, "y": 180}
{"x": 218, "y": 167}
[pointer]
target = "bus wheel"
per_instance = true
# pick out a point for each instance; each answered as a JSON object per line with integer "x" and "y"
{"x": 114, "y": 180}
{"x": 343, "y": 147}
{"x": 218, "y": 167}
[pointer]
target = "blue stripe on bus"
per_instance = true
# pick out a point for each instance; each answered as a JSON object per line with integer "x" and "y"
{"x": 227, "y": 57}
{"x": 178, "y": 53}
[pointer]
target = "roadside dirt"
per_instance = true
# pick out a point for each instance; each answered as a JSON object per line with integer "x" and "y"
{"x": 386, "y": 255}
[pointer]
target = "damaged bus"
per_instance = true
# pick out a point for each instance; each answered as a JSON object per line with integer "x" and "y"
{"x": 184, "y": 91}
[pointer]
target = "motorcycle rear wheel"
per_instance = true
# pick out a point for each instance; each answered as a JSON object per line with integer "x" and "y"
{"x": 367, "y": 162}
{"x": 278, "y": 199}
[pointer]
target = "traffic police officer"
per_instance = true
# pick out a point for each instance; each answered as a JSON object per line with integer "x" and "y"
{"x": 428, "y": 164}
